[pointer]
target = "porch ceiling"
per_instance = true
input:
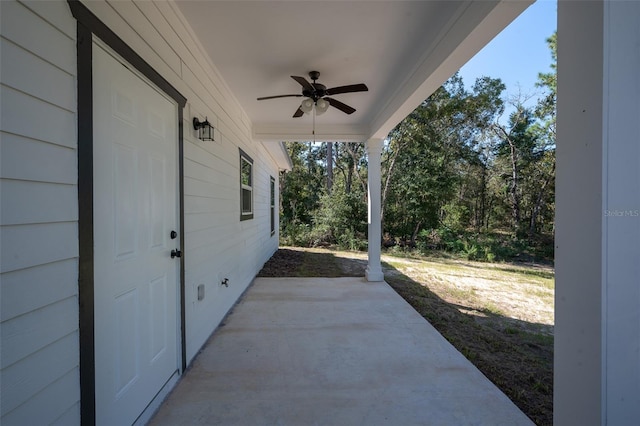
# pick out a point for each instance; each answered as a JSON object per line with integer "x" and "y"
{"x": 402, "y": 50}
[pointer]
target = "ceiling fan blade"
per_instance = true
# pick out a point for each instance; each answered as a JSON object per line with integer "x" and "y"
{"x": 348, "y": 89}
{"x": 279, "y": 96}
{"x": 341, "y": 106}
{"x": 298, "y": 113}
{"x": 303, "y": 82}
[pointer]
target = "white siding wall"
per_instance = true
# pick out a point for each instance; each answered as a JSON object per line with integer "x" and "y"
{"x": 217, "y": 244}
{"x": 39, "y": 213}
{"x": 39, "y": 265}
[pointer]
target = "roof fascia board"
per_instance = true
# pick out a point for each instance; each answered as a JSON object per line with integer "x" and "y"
{"x": 456, "y": 47}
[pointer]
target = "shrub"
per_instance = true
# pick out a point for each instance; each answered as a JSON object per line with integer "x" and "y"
{"x": 470, "y": 250}
{"x": 339, "y": 220}
{"x": 296, "y": 234}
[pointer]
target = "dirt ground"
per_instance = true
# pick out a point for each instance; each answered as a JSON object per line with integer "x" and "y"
{"x": 314, "y": 262}
{"x": 499, "y": 316}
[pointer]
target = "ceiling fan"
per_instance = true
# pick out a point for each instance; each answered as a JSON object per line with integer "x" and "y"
{"x": 318, "y": 95}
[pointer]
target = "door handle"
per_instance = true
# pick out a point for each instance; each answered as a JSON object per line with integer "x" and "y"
{"x": 176, "y": 253}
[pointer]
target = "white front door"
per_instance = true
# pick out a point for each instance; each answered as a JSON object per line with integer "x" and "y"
{"x": 135, "y": 212}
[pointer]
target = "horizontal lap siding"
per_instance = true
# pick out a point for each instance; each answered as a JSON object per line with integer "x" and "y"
{"x": 38, "y": 209}
{"x": 217, "y": 244}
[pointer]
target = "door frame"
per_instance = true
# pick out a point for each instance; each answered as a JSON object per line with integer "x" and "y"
{"x": 88, "y": 26}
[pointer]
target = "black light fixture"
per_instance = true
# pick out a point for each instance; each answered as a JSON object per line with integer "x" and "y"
{"x": 204, "y": 128}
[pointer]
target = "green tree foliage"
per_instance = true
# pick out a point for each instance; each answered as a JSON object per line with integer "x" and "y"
{"x": 430, "y": 155}
{"x": 546, "y": 108}
{"x": 314, "y": 215}
{"x": 543, "y": 210}
{"x": 341, "y": 220}
{"x": 302, "y": 187}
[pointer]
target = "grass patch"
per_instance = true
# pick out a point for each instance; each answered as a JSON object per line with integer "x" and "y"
{"x": 547, "y": 275}
{"x": 492, "y": 309}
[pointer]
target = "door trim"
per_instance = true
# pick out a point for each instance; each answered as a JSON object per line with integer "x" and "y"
{"x": 89, "y": 25}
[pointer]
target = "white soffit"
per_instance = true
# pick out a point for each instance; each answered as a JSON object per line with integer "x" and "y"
{"x": 402, "y": 50}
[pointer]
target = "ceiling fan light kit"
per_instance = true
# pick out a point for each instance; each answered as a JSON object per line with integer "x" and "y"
{"x": 307, "y": 106}
{"x": 322, "y": 106}
{"x": 316, "y": 95}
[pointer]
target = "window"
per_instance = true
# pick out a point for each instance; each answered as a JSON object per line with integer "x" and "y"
{"x": 246, "y": 186}
{"x": 273, "y": 205}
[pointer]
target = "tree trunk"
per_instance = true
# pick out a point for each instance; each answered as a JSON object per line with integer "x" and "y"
{"x": 329, "y": 167}
{"x": 414, "y": 236}
{"x": 387, "y": 182}
{"x": 488, "y": 218}
{"x": 513, "y": 187}
{"x": 356, "y": 172}
{"x": 538, "y": 203}
{"x": 483, "y": 195}
{"x": 515, "y": 196}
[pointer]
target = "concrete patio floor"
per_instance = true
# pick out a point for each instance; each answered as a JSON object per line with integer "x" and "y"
{"x": 331, "y": 351}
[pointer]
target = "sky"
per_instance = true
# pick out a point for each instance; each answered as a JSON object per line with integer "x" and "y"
{"x": 518, "y": 53}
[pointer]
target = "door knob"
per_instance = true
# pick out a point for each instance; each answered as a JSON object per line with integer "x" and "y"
{"x": 173, "y": 235}
{"x": 176, "y": 253}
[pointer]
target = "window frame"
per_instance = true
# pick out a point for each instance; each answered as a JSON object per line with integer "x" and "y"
{"x": 272, "y": 203}
{"x": 246, "y": 159}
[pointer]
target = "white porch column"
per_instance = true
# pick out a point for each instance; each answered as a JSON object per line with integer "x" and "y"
{"x": 374, "y": 268}
{"x": 597, "y": 321}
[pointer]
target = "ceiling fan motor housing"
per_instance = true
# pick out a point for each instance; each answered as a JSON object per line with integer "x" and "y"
{"x": 319, "y": 91}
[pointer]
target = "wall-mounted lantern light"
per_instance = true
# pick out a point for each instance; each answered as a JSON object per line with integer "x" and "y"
{"x": 204, "y": 128}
